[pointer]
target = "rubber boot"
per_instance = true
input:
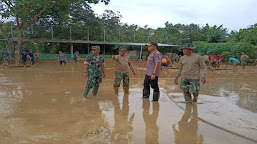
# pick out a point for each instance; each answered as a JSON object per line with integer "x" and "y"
{"x": 195, "y": 99}
{"x": 86, "y": 92}
{"x": 156, "y": 96}
{"x": 146, "y": 93}
{"x": 95, "y": 90}
{"x": 126, "y": 90}
{"x": 116, "y": 90}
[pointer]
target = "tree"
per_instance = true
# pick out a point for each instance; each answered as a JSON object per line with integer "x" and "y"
{"x": 251, "y": 35}
{"x": 217, "y": 34}
{"x": 26, "y": 13}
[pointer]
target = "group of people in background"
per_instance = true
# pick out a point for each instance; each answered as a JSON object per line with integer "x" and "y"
{"x": 29, "y": 56}
{"x": 235, "y": 62}
{"x": 214, "y": 61}
{"x": 63, "y": 59}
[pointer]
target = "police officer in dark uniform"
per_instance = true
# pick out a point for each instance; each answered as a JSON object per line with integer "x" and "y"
{"x": 153, "y": 71}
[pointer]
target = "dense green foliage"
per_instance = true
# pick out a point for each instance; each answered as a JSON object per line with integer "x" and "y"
{"x": 225, "y": 49}
{"x": 76, "y": 20}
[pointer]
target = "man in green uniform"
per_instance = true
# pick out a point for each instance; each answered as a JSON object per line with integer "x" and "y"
{"x": 94, "y": 71}
{"x": 243, "y": 59}
{"x": 189, "y": 69}
{"x": 1, "y": 56}
{"x": 122, "y": 65}
{"x": 6, "y": 58}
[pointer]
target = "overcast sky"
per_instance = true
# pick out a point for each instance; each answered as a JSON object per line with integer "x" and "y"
{"x": 233, "y": 14}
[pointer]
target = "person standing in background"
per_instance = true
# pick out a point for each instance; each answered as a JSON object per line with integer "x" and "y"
{"x": 37, "y": 56}
{"x": 5, "y": 58}
{"x": 244, "y": 59}
{"x": 32, "y": 57}
{"x": 219, "y": 59}
{"x": 76, "y": 56}
{"x": 62, "y": 58}
{"x": 24, "y": 58}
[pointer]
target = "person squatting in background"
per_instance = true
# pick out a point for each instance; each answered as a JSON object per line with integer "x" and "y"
{"x": 164, "y": 63}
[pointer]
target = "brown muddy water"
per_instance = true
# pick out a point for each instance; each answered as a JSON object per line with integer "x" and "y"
{"x": 43, "y": 105}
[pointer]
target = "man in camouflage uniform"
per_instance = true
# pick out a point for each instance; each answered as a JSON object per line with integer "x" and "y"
{"x": 94, "y": 71}
{"x": 189, "y": 70}
{"x": 122, "y": 65}
{"x": 1, "y": 56}
{"x": 243, "y": 59}
{"x": 6, "y": 58}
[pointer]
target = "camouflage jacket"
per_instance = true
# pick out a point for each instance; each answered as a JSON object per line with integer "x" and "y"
{"x": 5, "y": 55}
{"x": 94, "y": 65}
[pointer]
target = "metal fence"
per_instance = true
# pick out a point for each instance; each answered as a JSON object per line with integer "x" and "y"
{"x": 86, "y": 33}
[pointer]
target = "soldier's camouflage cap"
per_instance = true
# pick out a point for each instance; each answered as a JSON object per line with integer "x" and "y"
{"x": 122, "y": 49}
{"x": 188, "y": 46}
{"x": 95, "y": 47}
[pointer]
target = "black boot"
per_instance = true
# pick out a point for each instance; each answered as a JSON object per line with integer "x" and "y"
{"x": 146, "y": 93}
{"x": 156, "y": 96}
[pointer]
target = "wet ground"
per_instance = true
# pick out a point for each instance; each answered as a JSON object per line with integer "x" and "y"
{"x": 43, "y": 104}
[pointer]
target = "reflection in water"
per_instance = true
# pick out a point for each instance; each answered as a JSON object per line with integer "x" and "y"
{"x": 123, "y": 124}
{"x": 187, "y": 130}
{"x": 151, "y": 128}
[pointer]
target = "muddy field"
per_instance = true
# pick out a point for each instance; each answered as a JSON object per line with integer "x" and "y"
{"x": 43, "y": 104}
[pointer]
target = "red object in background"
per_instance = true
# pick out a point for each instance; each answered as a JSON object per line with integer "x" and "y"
{"x": 218, "y": 57}
{"x": 212, "y": 56}
{"x": 143, "y": 53}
